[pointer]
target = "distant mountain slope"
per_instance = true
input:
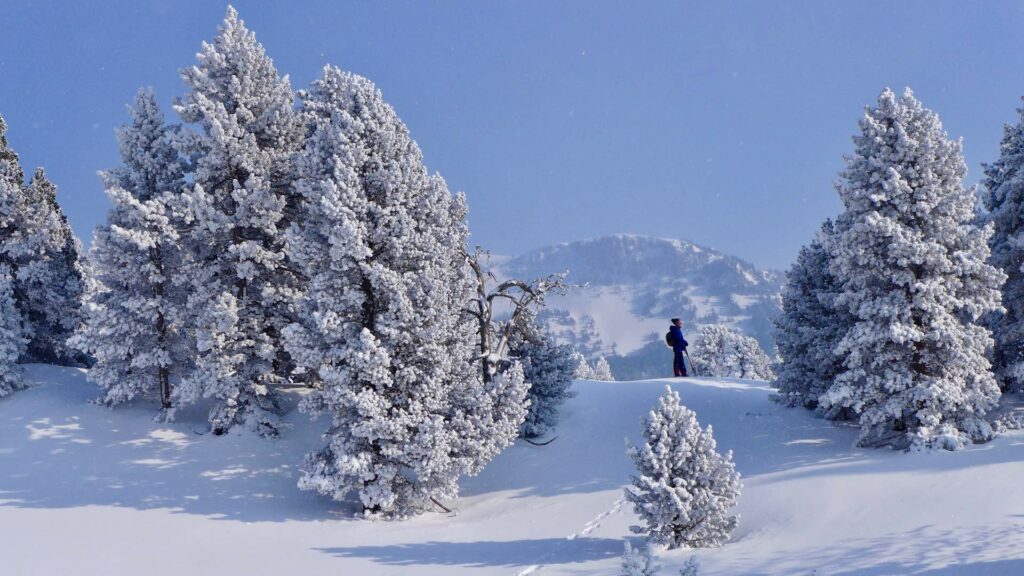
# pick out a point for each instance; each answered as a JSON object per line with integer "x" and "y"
{"x": 636, "y": 283}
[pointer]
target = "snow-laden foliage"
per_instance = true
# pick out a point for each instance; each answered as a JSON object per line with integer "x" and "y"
{"x": 601, "y": 370}
{"x": 911, "y": 264}
{"x": 37, "y": 244}
{"x": 581, "y": 369}
{"x": 12, "y": 338}
{"x": 242, "y": 290}
{"x": 548, "y": 369}
{"x": 132, "y": 304}
{"x": 723, "y": 352}
{"x": 809, "y": 328}
{"x": 48, "y": 278}
{"x": 382, "y": 325}
{"x": 638, "y": 561}
{"x": 691, "y": 567}
{"x": 1004, "y": 201}
{"x": 683, "y": 488}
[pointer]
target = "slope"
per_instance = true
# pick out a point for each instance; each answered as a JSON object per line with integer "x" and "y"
{"x": 88, "y": 490}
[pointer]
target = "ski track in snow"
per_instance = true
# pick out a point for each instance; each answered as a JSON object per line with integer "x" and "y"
{"x": 596, "y": 522}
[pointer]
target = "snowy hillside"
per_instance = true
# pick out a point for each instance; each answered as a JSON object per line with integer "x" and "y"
{"x": 636, "y": 283}
{"x": 88, "y": 490}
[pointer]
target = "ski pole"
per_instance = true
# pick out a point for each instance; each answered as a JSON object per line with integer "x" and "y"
{"x": 692, "y": 367}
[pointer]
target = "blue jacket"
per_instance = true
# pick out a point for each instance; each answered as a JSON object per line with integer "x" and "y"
{"x": 679, "y": 342}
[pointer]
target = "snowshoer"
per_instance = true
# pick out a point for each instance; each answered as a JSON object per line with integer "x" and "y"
{"x": 674, "y": 338}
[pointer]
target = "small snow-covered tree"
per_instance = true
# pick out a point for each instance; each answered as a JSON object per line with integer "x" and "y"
{"x": 810, "y": 327}
{"x": 12, "y": 338}
{"x": 691, "y": 567}
{"x": 911, "y": 264}
{"x": 582, "y": 370}
{"x": 548, "y": 369}
{"x": 382, "y": 325}
{"x": 1004, "y": 201}
{"x": 242, "y": 288}
{"x": 48, "y": 278}
{"x": 602, "y": 371}
{"x": 132, "y": 304}
{"x": 723, "y": 352}
{"x": 638, "y": 561}
{"x": 683, "y": 488}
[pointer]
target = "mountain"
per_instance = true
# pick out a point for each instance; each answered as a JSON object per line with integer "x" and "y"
{"x": 629, "y": 287}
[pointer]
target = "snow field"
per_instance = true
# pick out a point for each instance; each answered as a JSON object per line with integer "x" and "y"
{"x": 89, "y": 490}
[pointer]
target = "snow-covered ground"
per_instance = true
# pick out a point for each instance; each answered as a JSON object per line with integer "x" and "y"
{"x": 87, "y": 490}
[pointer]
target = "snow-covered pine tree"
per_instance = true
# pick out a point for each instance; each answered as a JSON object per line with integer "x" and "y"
{"x": 691, "y": 567}
{"x": 810, "y": 327}
{"x": 638, "y": 561}
{"x": 548, "y": 369}
{"x": 683, "y": 488}
{"x": 583, "y": 370}
{"x": 132, "y": 304}
{"x": 602, "y": 371}
{"x": 911, "y": 263}
{"x": 382, "y": 324}
{"x": 12, "y": 180}
{"x": 12, "y": 338}
{"x": 243, "y": 289}
{"x": 1004, "y": 201}
{"x": 723, "y": 352}
{"x": 48, "y": 278}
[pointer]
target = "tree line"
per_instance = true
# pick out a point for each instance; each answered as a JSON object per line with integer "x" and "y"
{"x": 279, "y": 238}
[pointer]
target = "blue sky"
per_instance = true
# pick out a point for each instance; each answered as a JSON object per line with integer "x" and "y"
{"x": 721, "y": 122}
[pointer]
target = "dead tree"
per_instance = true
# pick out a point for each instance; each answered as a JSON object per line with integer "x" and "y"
{"x": 522, "y": 297}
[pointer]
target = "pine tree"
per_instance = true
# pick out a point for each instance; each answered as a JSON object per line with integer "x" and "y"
{"x": 48, "y": 278}
{"x": 601, "y": 371}
{"x": 1004, "y": 200}
{"x": 723, "y": 352}
{"x": 12, "y": 180}
{"x": 583, "y": 370}
{"x": 382, "y": 324}
{"x": 683, "y": 488}
{"x": 810, "y": 327}
{"x": 548, "y": 369}
{"x": 12, "y": 339}
{"x": 911, "y": 264}
{"x": 133, "y": 305}
{"x": 638, "y": 562}
{"x": 243, "y": 290}
{"x": 41, "y": 252}
{"x": 691, "y": 567}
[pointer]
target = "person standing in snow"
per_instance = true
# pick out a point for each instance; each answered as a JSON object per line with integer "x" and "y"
{"x": 675, "y": 339}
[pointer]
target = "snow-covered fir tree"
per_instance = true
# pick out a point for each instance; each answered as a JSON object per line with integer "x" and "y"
{"x": 12, "y": 338}
{"x": 582, "y": 369}
{"x": 1004, "y": 201}
{"x": 683, "y": 488}
{"x": 691, "y": 567}
{"x": 911, "y": 264}
{"x": 382, "y": 325}
{"x": 48, "y": 277}
{"x": 810, "y": 327}
{"x": 723, "y": 352}
{"x": 601, "y": 370}
{"x": 638, "y": 562}
{"x": 548, "y": 369}
{"x": 132, "y": 304}
{"x": 243, "y": 289}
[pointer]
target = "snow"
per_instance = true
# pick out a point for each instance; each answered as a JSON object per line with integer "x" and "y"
{"x": 611, "y": 310}
{"x": 91, "y": 490}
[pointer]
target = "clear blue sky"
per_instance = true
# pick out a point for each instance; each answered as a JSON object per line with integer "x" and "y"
{"x": 720, "y": 122}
